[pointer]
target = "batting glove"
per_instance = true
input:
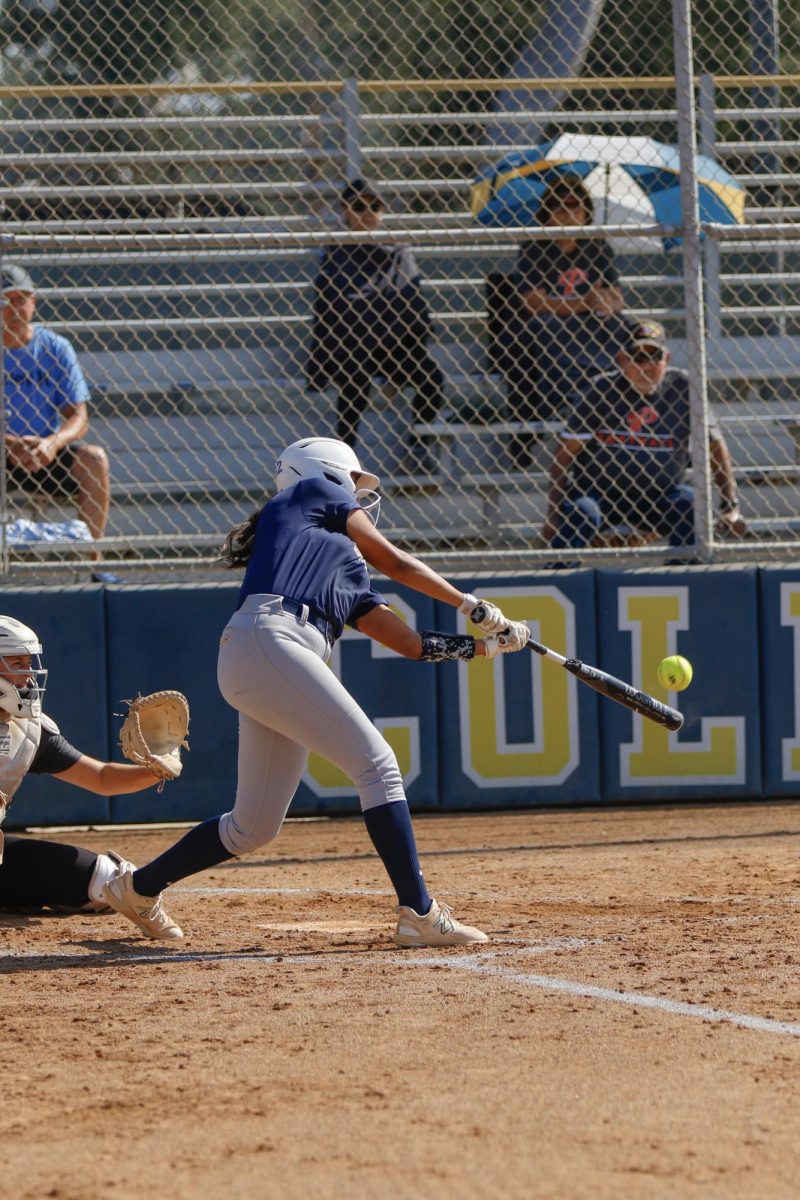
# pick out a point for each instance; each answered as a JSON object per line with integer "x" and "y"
{"x": 514, "y": 637}
{"x": 486, "y": 616}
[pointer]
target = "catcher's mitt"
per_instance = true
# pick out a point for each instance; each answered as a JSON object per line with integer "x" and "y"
{"x": 154, "y": 730}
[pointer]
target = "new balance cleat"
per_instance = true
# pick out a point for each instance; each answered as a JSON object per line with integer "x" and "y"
{"x": 436, "y": 928}
{"x": 107, "y": 867}
{"x": 146, "y": 912}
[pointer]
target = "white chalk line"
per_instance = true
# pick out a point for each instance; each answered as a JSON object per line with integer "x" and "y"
{"x": 160, "y": 955}
{"x": 540, "y": 898}
{"x": 280, "y": 891}
{"x": 473, "y": 963}
{"x": 477, "y": 965}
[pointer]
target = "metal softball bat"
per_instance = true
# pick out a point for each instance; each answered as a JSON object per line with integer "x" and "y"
{"x": 615, "y": 689}
{"x": 607, "y": 685}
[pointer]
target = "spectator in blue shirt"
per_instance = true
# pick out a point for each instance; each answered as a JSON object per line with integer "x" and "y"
{"x": 46, "y": 402}
{"x": 624, "y": 452}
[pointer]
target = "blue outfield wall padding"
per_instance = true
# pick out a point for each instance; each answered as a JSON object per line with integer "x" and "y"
{"x": 168, "y": 637}
{"x": 515, "y": 732}
{"x": 70, "y": 622}
{"x": 710, "y": 617}
{"x": 779, "y": 635}
{"x": 518, "y": 731}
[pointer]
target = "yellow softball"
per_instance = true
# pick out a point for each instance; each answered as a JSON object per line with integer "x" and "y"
{"x": 674, "y": 673}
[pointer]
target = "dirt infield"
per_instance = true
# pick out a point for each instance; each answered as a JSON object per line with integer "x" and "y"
{"x": 632, "y": 1030}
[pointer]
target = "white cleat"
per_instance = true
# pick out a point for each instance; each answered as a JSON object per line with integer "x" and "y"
{"x": 146, "y": 912}
{"x": 107, "y": 867}
{"x": 436, "y": 928}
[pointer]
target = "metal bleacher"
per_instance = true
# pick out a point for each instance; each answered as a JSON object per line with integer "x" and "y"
{"x": 193, "y": 340}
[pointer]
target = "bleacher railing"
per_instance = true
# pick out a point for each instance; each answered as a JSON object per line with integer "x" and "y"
{"x": 174, "y": 238}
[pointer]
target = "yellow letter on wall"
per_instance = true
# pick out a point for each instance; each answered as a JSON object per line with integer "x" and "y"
{"x": 790, "y": 615}
{"x": 655, "y": 756}
{"x": 487, "y": 757}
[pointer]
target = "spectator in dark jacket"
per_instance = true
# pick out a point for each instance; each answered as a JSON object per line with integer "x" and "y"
{"x": 370, "y": 319}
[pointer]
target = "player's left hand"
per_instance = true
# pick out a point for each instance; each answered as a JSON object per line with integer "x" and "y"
{"x": 490, "y": 618}
{"x": 732, "y": 523}
{"x": 154, "y": 732}
{"x": 515, "y": 637}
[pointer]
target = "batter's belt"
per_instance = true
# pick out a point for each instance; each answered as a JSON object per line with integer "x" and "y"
{"x": 305, "y": 613}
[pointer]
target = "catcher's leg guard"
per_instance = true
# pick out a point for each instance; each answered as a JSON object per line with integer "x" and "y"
{"x": 42, "y": 874}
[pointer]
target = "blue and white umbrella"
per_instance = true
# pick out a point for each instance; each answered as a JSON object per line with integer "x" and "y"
{"x": 632, "y": 180}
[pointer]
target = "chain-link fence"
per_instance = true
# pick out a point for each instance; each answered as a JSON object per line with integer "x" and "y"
{"x": 470, "y": 238}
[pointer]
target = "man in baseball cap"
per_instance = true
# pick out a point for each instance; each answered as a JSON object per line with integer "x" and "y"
{"x": 624, "y": 453}
{"x": 17, "y": 279}
{"x": 647, "y": 335}
{"x": 47, "y": 398}
{"x": 362, "y": 191}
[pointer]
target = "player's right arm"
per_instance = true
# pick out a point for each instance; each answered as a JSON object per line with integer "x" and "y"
{"x": 108, "y": 778}
{"x": 563, "y": 458}
{"x": 731, "y": 520}
{"x": 398, "y": 564}
{"x": 57, "y": 757}
{"x": 384, "y": 626}
{"x": 405, "y": 568}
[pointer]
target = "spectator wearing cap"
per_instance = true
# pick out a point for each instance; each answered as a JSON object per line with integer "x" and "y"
{"x": 569, "y": 299}
{"x": 371, "y": 320}
{"x": 46, "y": 401}
{"x": 624, "y": 452}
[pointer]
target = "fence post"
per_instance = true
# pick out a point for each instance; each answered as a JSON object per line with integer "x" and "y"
{"x": 351, "y": 103}
{"x": 4, "y": 558}
{"x": 692, "y": 276}
{"x": 707, "y": 141}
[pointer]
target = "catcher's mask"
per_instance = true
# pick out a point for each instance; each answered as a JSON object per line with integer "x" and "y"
{"x": 22, "y": 684}
{"x": 328, "y": 458}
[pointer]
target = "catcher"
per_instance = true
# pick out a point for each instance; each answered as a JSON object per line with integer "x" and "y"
{"x": 45, "y": 874}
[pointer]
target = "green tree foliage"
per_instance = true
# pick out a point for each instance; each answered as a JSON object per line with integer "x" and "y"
{"x": 120, "y": 41}
{"x": 143, "y": 40}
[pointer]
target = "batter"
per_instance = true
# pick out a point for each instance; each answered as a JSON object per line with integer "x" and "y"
{"x": 306, "y": 554}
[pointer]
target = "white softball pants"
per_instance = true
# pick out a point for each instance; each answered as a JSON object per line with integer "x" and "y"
{"x": 271, "y": 668}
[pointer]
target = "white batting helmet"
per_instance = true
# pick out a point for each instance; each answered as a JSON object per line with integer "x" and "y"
{"x": 322, "y": 458}
{"x": 17, "y": 639}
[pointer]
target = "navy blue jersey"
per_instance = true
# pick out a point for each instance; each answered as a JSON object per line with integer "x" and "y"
{"x": 302, "y": 551}
{"x": 582, "y": 339}
{"x": 545, "y": 265}
{"x": 636, "y": 446}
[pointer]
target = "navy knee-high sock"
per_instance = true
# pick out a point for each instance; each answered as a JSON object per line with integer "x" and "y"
{"x": 199, "y": 849}
{"x": 389, "y": 826}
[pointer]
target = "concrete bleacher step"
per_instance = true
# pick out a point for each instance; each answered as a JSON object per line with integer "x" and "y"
{"x": 189, "y": 451}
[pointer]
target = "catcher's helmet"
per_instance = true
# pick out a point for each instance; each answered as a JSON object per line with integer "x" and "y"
{"x": 18, "y": 640}
{"x": 322, "y": 458}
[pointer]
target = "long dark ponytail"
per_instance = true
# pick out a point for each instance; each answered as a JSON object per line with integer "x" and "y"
{"x": 238, "y": 545}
